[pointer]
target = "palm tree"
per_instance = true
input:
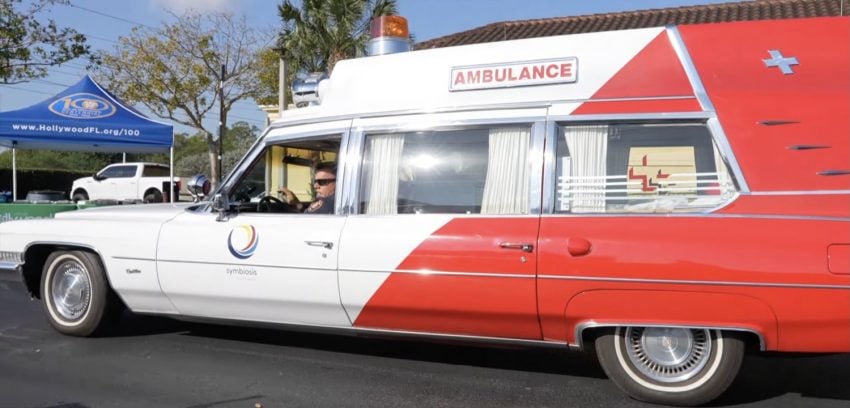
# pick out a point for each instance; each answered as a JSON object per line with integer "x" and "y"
{"x": 323, "y": 32}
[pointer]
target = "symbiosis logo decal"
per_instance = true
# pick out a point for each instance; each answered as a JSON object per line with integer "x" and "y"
{"x": 242, "y": 241}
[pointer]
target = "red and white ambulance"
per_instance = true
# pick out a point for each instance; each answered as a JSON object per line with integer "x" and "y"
{"x": 669, "y": 197}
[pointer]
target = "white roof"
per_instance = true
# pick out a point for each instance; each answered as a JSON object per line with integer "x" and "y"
{"x": 419, "y": 80}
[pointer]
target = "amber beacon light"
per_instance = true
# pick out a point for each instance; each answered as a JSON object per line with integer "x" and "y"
{"x": 389, "y": 35}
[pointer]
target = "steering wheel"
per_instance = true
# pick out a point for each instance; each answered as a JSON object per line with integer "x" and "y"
{"x": 268, "y": 203}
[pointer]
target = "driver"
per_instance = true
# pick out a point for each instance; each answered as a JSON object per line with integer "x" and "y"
{"x": 324, "y": 181}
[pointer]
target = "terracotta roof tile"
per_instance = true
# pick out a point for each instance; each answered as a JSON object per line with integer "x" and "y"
{"x": 713, "y": 13}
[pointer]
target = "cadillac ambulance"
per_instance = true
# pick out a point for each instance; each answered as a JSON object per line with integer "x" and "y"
{"x": 669, "y": 198}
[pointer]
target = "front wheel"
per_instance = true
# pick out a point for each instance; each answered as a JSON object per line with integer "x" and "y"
{"x": 670, "y": 365}
{"x": 76, "y": 295}
{"x": 79, "y": 196}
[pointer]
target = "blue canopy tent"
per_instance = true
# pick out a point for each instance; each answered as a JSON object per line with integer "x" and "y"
{"x": 83, "y": 117}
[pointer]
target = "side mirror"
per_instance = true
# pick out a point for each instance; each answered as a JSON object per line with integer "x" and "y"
{"x": 98, "y": 177}
{"x": 221, "y": 206}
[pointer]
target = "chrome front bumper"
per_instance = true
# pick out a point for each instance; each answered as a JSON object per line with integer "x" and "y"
{"x": 11, "y": 272}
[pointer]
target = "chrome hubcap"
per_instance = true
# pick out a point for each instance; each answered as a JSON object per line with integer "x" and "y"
{"x": 71, "y": 290}
{"x": 666, "y": 354}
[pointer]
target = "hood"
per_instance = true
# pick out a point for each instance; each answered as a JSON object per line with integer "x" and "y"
{"x": 135, "y": 212}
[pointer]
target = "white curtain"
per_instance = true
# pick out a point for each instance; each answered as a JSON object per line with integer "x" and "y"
{"x": 382, "y": 188}
{"x": 506, "y": 185}
{"x": 588, "y": 147}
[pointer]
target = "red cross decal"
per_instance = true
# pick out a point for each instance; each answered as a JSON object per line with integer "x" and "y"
{"x": 646, "y": 181}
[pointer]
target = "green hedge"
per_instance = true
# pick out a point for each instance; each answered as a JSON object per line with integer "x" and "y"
{"x": 31, "y": 180}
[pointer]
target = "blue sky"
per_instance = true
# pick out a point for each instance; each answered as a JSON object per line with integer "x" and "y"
{"x": 103, "y": 21}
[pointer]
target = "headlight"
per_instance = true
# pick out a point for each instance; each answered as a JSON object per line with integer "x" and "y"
{"x": 199, "y": 185}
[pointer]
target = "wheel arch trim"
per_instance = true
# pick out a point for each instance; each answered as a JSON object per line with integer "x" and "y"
{"x": 591, "y": 324}
{"x": 59, "y": 245}
{"x": 670, "y": 307}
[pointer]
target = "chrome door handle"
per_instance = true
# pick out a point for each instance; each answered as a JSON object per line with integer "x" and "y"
{"x": 526, "y": 247}
{"x": 323, "y": 244}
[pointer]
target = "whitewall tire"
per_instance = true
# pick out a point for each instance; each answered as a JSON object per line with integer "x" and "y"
{"x": 671, "y": 365}
{"x": 75, "y": 293}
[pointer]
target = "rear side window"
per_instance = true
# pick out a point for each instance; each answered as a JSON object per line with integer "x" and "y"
{"x": 464, "y": 171}
{"x": 155, "y": 171}
{"x": 639, "y": 168}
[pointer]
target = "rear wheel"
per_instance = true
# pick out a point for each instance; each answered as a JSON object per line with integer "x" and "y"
{"x": 153, "y": 196}
{"x": 670, "y": 365}
{"x": 76, "y": 295}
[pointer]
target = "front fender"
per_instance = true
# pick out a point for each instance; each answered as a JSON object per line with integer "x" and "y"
{"x": 600, "y": 308}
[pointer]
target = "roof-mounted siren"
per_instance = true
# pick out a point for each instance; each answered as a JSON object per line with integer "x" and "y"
{"x": 389, "y": 35}
{"x": 305, "y": 91}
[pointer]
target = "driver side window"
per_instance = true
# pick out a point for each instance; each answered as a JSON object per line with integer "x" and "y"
{"x": 280, "y": 179}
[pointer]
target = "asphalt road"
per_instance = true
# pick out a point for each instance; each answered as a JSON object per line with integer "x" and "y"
{"x": 158, "y": 362}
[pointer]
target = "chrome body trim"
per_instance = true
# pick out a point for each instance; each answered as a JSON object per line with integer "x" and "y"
{"x": 346, "y": 171}
{"x": 425, "y": 272}
{"x": 695, "y": 282}
{"x": 681, "y": 51}
{"x": 351, "y": 188}
{"x": 632, "y": 99}
{"x": 702, "y": 95}
{"x": 727, "y": 154}
{"x": 130, "y": 258}
{"x": 442, "y": 123}
{"x": 707, "y": 215}
{"x": 799, "y": 192}
{"x": 590, "y": 324}
{"x": 777, "y": 122}
{"x": 648, "y": 117}
{"x": 808, "y": 147}
{"x": 359, "y": 331}
{"x": 833, "y": 172}
{"x": 283, "y": 123}
{"x": 548, "y": 199}
{"x": 231, "y": 264}
{"x": 11, "y": 272}
{"x": 65, "y": 244}
{"x": 351, "y": 180}
{"x": 74, "y": 245}
{"x": 535, "y": 166}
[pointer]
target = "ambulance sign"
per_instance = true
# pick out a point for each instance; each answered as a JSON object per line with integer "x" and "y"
{"x": 511, "y": 74}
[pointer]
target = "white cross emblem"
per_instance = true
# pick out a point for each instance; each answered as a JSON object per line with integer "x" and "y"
{"x": 777, "y": 60}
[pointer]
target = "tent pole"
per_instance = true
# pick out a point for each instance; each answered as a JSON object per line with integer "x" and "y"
{"x": 14, "y": 177}
{"x": 171, "y": 171}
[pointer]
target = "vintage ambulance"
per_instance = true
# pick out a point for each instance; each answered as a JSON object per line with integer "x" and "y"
{"x": 669, "y": 198}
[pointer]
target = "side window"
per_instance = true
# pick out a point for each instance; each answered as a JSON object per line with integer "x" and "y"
{"x": 119, "y": 172}
{"x": 639, "y": 168}
{"x": 155, "y": 171}
{"x": 468, "y": 171}
{"x": 286, "y": 166}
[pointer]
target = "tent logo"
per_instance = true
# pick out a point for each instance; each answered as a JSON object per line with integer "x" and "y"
{"x": 242, "y": 241}
{"x": 82, "y": 106}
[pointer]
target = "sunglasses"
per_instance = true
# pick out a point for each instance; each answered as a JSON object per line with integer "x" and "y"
{"x": 323, "y": 182}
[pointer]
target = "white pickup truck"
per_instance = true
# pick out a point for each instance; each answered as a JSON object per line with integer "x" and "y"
{"x": 124, "y": 182}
